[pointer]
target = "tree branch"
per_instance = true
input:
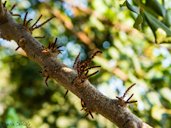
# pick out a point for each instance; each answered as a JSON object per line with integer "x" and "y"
{"x": 95, "y": 101}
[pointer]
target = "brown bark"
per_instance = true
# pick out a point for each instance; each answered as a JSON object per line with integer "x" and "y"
{"x": 95, "y": 101}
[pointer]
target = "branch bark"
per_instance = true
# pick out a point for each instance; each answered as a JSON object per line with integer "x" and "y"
{"x": 95, "y": 101}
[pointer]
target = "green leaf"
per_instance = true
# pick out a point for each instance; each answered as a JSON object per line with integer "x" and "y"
{"x": 131, "y": 7}
{"x": 138, "y": 22}
{"x": 156, "y": 7}
{"x": 160, "y": 30}
{"x": 168, "y": 18}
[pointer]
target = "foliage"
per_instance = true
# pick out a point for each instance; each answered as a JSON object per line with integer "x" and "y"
{"x": 129, "y": 56}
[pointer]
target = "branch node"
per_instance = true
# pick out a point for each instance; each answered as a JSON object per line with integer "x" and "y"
{"x": 52, "y": 49}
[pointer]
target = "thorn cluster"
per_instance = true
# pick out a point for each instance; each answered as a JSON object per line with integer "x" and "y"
{"x": 123, "y": 102}
{"x": 83, "y": 67}
{"x": 34, "y": 26}
{"x": 53, "y": 49}
{"x": 27, "y": 22}
{"x": 4, "y": 5}
{"x": 88, "y": 112}
{"x": 12, "y": 12}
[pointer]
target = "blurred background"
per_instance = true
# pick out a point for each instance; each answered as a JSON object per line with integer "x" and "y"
{"x": 129, "y": 56}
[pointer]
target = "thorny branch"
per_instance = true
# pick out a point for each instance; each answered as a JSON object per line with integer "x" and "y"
{"x": 92, "y": 99}
{"x": 82, "y": 68}
{"x": 52, "y": 50}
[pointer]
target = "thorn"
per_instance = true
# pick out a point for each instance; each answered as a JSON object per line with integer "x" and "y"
{"x": 36, "y": 22}
{"x": 129, "y": 98}
{"x": 122, "y": 102}
{"x": 27, "y": 22}
{"x": 66, "y": 93}
{"x": 17, "y": 48}
{"x": 86, "y": 115}
{"x": 39, "y": 37}
{"x": 86, "y": 109}
{"x": 12, "y": 7}
{"x": 25, "y": 18}
{"x": 55, "y": 42}
{"x": 76, "y": 61}
{"x": 91, "y": 114}
{"x": 46, "y": 80}
{"x": 92, "y": 74}
{"x": 59, "y": 47}
{"x": 60, "y": 51}
{"x": 92, "y": 67}
{"x": 15, "y": 14}
{"x": 73, "y": 80}
{"x": 128, "y": 89}
{"x": 86, "y": 72}
{"x": 4, "y": 4}
{"x": 56, "y": 39}
{"x": 52, "y": 45}
{"x": 94, "y": 54}
{"x": 130, "y": 102}
{"x": 36, "y": 27}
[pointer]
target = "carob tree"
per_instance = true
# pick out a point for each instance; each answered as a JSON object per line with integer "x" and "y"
{"x": 74, "y": 80}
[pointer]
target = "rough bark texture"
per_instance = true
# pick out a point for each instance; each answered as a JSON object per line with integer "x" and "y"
{"x": 95, "y": 101}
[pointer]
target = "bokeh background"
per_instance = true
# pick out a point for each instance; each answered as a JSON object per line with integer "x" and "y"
{"x": 129, "y": 56}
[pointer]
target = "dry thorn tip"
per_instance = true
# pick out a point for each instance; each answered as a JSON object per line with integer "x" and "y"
{"x": 12, "y": 7}
{"x": 39, "y": 37}
{"x": 17, "y": 48}
{"x": 66, "y": 93}
{"x": 36, "y": 27}
{"x": 16, "y": 15}
{"x": 25, "y": 18}
{"x": 129, "y": 89}
{"x": 92, "y": 74}
{"x": 76, "y": 61}
{"x": 129, "y": 98}
{"x": 36, "y": 22}
{"x": 28, "y": 22}
{"x": 46, "y": 81}
{"x": 4, "y": 4}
